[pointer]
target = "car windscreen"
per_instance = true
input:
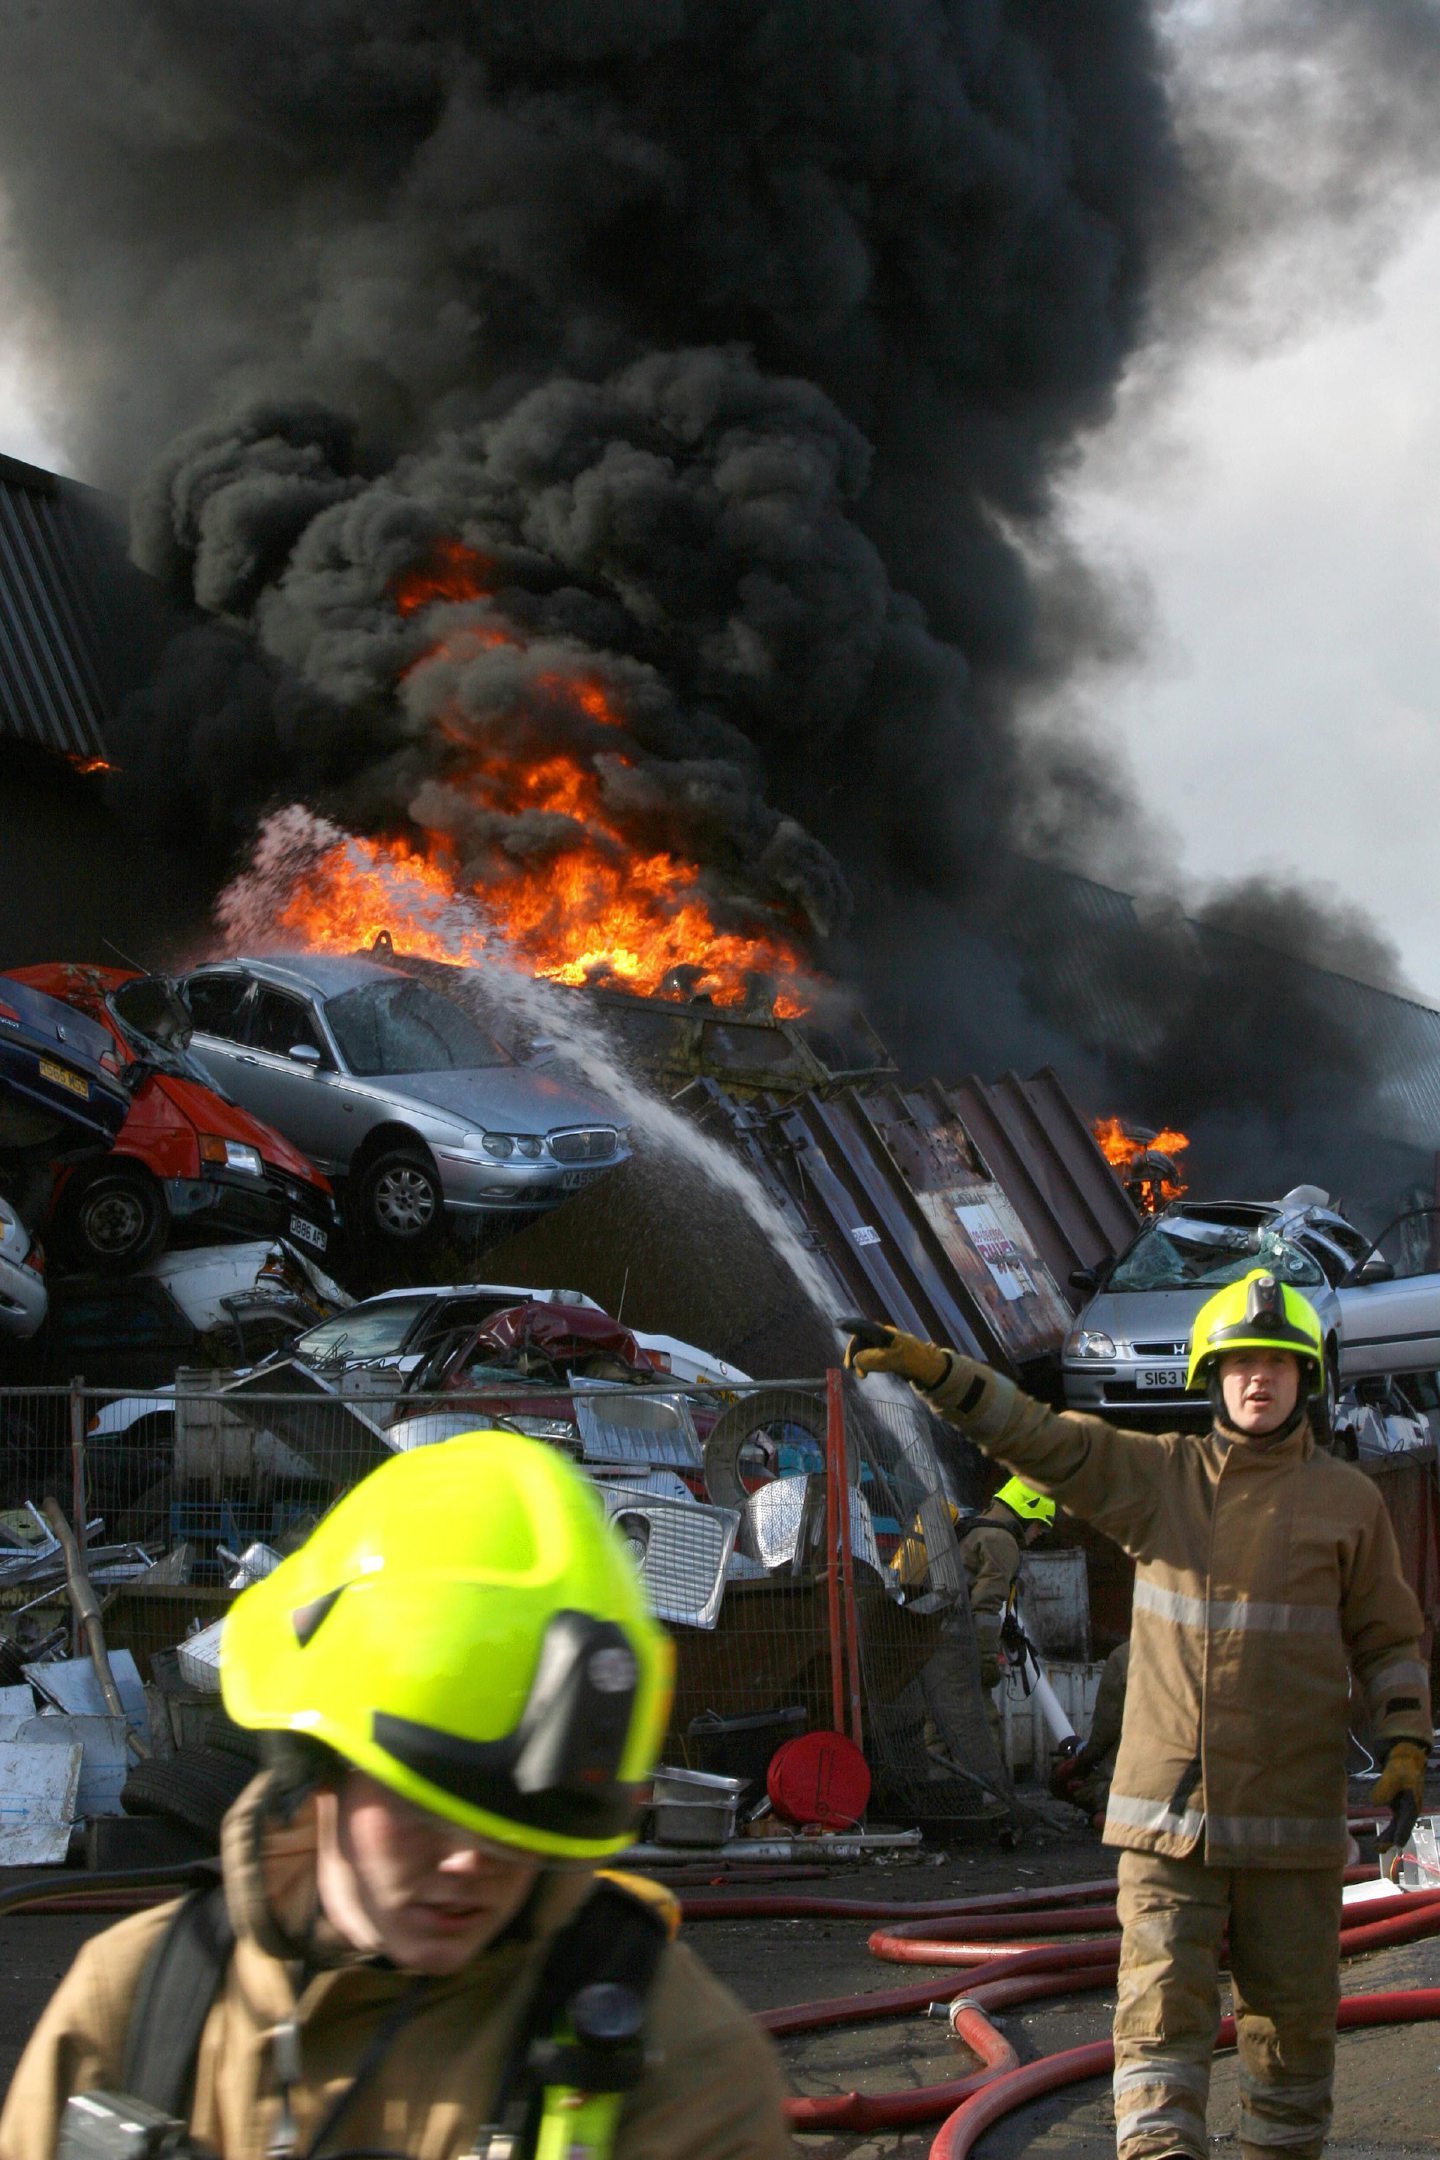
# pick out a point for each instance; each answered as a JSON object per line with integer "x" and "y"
{"x": 1182, "y": 1252}
{"x": 366, "y": 1331}
{"x": 401, "y": 1027}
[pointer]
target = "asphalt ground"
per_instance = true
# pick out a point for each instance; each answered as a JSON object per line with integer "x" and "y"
{"x": 1388, "y": 2085}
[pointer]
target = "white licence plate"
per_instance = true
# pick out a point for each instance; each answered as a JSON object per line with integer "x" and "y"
{"x": 1160, "y": 1376}
{"x": 307, "y": 1233}
{"x": 573, "y": 1180}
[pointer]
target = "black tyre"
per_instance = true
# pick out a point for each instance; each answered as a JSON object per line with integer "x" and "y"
{"x": 113, "y": 1218}
{"x": 196, "y": 1787}
{"x": 400, "y": 1196}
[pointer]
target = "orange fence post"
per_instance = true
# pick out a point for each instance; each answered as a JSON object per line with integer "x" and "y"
{"x": 835, "y": 1433}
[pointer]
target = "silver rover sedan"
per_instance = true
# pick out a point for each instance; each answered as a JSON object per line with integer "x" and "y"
{"x": 399, "y": 1090}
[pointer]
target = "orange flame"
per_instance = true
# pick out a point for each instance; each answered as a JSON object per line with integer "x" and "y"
{"x": 1132, "y": 1157}
{"x": 88, "y": 764}
{"x": 591, "y": 908}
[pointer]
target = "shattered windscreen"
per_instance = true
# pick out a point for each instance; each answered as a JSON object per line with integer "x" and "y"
{"x": 363, "y": 1332}
{"x": 401, "y": 1027}
{"x": 1184, "y": 1252}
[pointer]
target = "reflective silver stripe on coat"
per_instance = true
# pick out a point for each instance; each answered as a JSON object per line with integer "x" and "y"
{"x": 1136, "y": 1814}
{"x": 1274, "y": 1831}
{"x": 1270, "y": 1833}
{"x": 1216, "y": 1614}
{"x": 1406, "y": 1676}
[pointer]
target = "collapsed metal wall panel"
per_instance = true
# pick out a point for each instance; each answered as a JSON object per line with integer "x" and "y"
{"x": 924, "y": 1228}
{"x": 1039, "y": 1148}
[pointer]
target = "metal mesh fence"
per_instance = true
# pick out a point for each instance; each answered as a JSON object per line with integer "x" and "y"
{"x": 764, "y": 1520}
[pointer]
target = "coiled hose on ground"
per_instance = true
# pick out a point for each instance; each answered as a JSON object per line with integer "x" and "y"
{"x": 997, "y": 1939}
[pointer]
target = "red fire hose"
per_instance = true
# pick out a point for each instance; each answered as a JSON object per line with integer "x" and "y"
{"x": 992, "y": 1937}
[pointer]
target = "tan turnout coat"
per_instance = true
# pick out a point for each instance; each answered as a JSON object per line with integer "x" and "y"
{"x": 1263, "y": 1574}
{"x": 713, "y": 2091}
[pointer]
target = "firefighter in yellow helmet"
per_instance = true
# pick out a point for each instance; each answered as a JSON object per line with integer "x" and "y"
{"x": 462, "y": 1694}
{"x": 989, "y": 1546}
{"x": 1265, "y": 1572}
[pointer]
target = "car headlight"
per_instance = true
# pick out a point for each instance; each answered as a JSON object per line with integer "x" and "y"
{"x": 1088, "y": 1343}
{"x": 231, "y": 1154}
{"x": 502, "y": 1145}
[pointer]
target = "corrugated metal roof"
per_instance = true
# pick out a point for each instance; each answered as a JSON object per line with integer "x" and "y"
{"x": 52, "y": 613}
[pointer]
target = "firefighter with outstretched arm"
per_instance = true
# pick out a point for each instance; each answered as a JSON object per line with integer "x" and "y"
{"x": 1265, "y": 1571}
{"x": 412, "y": 1952}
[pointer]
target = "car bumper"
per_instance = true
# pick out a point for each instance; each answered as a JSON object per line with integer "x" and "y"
{"x": 477, "y": 1186}
{"x": 271, "y": 1206}
{"x": 1114, "y": 1391}
{"x": 24, "y": 1301}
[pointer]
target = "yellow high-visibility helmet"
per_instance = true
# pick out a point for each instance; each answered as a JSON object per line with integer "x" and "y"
{"x": 1023, "y": 1500}
{"x": 466, "y": 1627}
{"x": 1257, "y": 1313}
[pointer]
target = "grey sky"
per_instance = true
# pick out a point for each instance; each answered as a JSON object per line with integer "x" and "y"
{"x": 1285, "y": 514}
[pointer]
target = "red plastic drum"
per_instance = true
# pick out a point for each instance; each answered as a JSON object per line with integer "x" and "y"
{"x": 821, "y": 1777}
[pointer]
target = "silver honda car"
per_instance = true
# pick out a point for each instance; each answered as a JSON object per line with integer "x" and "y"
{"x": 1127, "y": 1353}
{"x": 385, "y": 1082}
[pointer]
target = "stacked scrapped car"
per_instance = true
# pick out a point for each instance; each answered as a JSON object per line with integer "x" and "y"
{"x": 185, "y": 1157}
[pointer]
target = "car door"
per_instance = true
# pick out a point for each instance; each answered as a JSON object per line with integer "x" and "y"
{"x": 1391, "y": 1323}
{"x": 295, "y": 1096}
{"x": 219, "y": 1002}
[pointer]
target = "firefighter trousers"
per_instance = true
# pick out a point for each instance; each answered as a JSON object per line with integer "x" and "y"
{"x": 1284, "y": 1960}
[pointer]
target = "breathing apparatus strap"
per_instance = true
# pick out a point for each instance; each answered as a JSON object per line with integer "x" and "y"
{"x": 581, "y": 2045}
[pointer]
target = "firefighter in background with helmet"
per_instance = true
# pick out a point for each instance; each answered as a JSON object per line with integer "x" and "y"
{"x": 462, "y": 1692}
{"x": 990, "y": 1555}
{"x": 1265, "y": 1570}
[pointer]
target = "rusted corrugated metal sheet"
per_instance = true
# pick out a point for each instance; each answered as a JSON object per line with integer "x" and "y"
{"x": 52, "y": 625}
{"x": 1040, "y": 1149}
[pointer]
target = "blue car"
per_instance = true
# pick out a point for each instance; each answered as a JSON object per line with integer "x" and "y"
{"x": 60, "y": 1084}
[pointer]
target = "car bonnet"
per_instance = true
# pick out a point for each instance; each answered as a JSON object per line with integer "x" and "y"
{"x": 502, "y": 1098}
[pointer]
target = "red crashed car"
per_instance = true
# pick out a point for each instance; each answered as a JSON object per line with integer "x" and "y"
{"x": 186, "y": 1159}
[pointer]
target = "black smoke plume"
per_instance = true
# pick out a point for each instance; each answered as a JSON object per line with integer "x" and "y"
{"x": 744, "y": 339}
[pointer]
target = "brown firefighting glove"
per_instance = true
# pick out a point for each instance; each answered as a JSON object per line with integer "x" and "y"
{"x": 1401, "y": 1787}
{"x": 874, "y": 1347}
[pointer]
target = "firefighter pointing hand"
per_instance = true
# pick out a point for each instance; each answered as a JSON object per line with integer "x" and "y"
{"x": 1264, "y": 1571}
{"x": 412, "y": 1953}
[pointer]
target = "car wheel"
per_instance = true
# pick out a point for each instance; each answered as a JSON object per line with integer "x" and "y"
{"x": 115, "y": 1218}
{"x": 400, "y": 1196}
